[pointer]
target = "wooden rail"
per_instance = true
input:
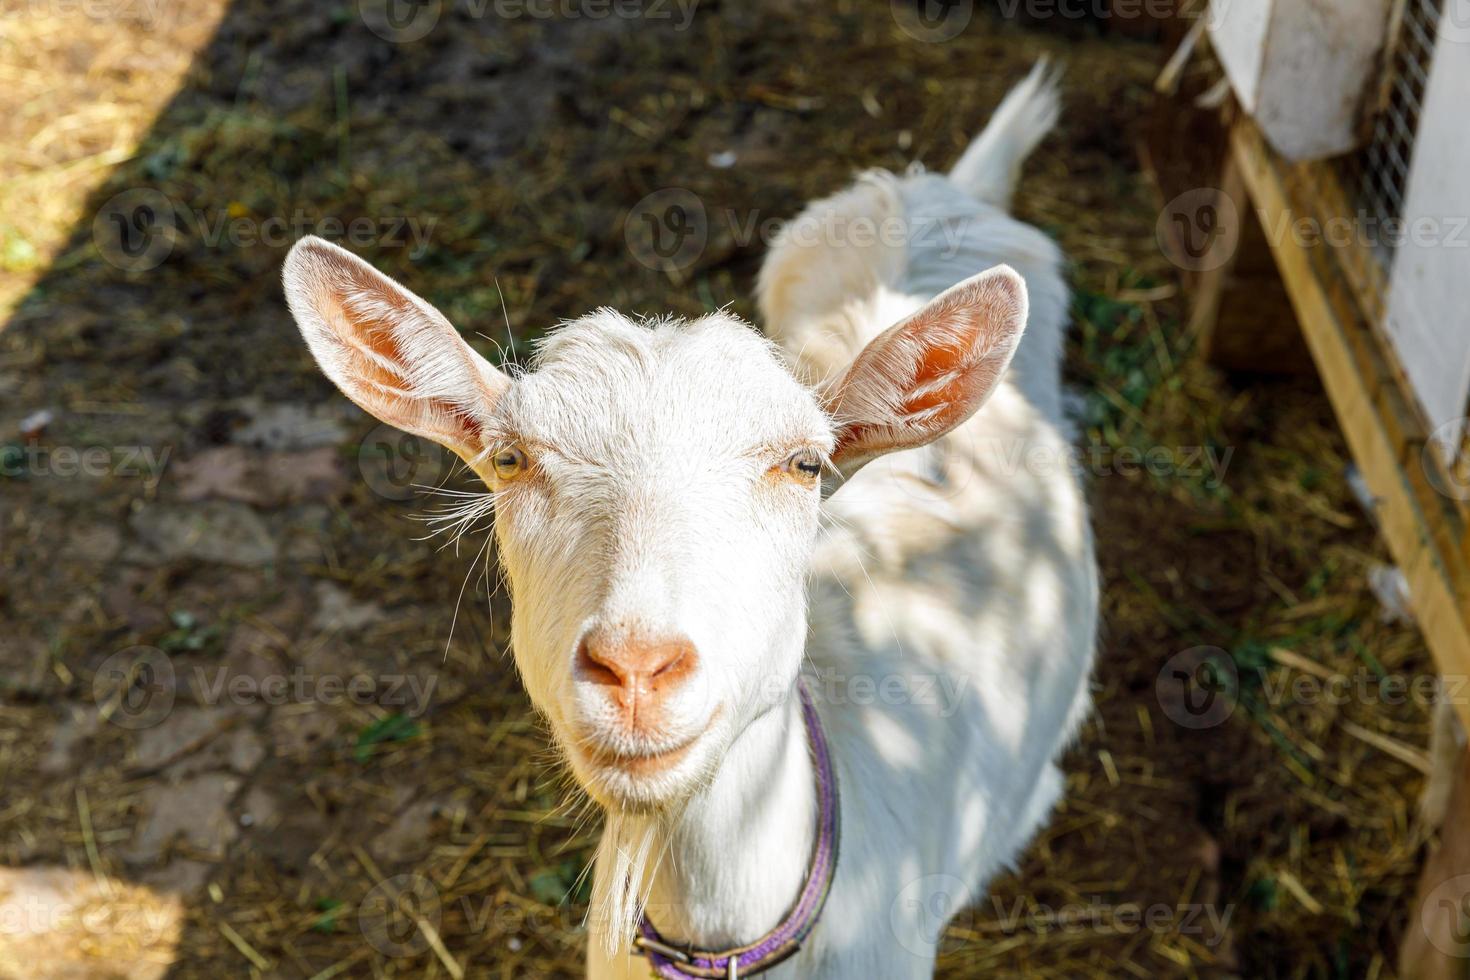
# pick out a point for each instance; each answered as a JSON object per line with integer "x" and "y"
{"x": 1426, "y": 529}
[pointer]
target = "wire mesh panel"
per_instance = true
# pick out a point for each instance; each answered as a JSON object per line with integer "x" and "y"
{"x": 1377, "y": 175}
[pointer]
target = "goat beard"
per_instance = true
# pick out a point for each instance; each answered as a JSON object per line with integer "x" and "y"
{"x": 626, "y": 862}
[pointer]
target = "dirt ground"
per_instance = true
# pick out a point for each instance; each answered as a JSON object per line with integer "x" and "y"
{"x": 254, "y": 722}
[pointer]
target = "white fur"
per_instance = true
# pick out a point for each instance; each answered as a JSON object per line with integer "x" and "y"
{"x": 943, "y": 602}
{"x": 989, "y": 167}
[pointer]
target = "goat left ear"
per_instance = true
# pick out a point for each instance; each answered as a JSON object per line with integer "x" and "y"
{"x": 928, "y": 373}
{"x": 390, "y": 351}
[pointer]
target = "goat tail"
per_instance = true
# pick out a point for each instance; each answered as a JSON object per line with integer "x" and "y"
{"x": 990, "y": 167}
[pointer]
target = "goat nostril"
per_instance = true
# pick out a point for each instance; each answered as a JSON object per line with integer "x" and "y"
{"x": 595, "y": 668}
{"x": 680, "y": 659}
{"x": 677, "y": 661}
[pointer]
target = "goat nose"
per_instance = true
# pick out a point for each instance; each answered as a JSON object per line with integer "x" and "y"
{"x": 638, "y": 667}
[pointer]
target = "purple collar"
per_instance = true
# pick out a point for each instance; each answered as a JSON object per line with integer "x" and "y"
{"x": 676, "y": 961}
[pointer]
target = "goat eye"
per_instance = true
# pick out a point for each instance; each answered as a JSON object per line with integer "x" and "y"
{"x": 509, "y": 463}
{"x": 805, "y": 465}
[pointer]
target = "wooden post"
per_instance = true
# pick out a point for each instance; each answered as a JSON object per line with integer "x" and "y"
{"x": 1239, "y": 309}
{"x": 1241, "y": 313}
{"x": 1436, "y": 942}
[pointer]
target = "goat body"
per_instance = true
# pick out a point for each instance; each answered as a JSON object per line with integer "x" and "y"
{"x": 953, "y": 601}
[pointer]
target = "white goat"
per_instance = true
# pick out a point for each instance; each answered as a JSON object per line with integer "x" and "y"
{"x": 659, "y": 508}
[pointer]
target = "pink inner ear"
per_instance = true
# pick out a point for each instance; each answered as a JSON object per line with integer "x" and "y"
{"x": 383, "y": 374}
{"x": 939, "y": 386}
{"x": 926, "y": 375}
{"x": 936, "y": 399}
{"x": 378, "y": 337}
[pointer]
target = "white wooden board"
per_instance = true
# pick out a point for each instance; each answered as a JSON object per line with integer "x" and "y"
{"x": 1428, "y": 319}
{"x": 1301, "y": 67}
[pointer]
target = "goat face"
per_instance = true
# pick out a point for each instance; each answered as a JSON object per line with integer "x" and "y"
{"x": 657, "y": 491}
{"x": 657, "y": 497}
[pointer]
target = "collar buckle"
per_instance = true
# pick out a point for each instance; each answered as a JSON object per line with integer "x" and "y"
{"x": 645, "y": 945}
{"x": 663, "y": 949}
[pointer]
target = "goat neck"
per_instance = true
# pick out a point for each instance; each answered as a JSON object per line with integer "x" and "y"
{"x": 739, "y": 854}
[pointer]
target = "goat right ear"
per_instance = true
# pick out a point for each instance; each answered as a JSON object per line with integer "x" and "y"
{"x": 388, "y": 350}
{"x": 928, "y": 373}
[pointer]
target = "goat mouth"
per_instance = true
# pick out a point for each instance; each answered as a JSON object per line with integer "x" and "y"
{"x": 640, "y": 764}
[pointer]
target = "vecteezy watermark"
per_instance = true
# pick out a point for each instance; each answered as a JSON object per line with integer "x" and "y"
{"x": 1199, "y": 230}
{"x": 1205, "y": 463}
{"x": 943, "y": 20}
{"x": 932, "y": 21}
{"x": 1209, "y": 924}
{"x": 927, "y": 906}
{"x": 135, "y": 687}
{"x": 680, "y": 12}
{"x": 281, "y": 231}
{"x": 1201, "y": 687}
{"x": 1446, "y": 461}
{"x": 1088, "y": 9}
{"x": 138, "y": 687}
{"x": 1454, "y": 21}
{"x": 401, "y": 915}
{"x": 951, "y": 466}
{"x": 1197, "y": 687}
{"x": 400, "y": 21}
{"x": 145, "y": 12}
{"x": 138, "y": 229}
{"x": 409, "y": 692}
{"x": 135, "y": 230}
{"x": 669, "y": 229}
{"x": 1366, "y": 230}
{"x": 144, "y": 923}
{"x": 943, "y": 692}
{"x": 68, "y": 462}
{"x": 1445, "y": 917}
{"x": 405, "y": 21}
{"x": 1114, "y": 10}
{"x": 924, "y": 907}
{"x": 1364, "y": 687}
{"x": 395, "y": 464}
